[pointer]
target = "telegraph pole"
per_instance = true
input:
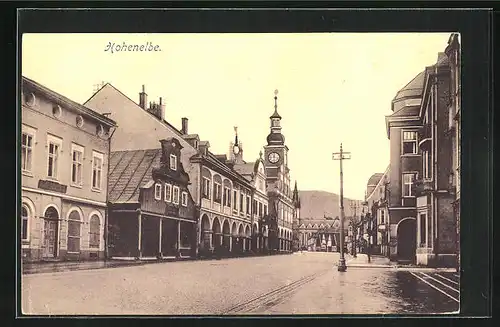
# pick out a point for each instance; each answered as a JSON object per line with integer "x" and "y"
{"x": 341, "y": 156}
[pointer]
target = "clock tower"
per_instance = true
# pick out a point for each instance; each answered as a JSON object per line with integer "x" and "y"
{"x": 276, "y": 153}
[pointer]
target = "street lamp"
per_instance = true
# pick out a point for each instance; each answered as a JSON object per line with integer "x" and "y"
{"x": 341, "y": 156}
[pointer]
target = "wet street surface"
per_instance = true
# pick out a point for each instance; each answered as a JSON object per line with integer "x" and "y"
{"x": 302, "y": 283}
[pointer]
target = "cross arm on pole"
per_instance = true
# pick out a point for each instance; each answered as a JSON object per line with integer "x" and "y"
{"x": 341, "y": 155}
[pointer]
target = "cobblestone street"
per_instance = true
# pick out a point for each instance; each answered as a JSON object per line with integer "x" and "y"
{"x": 301, "y": 283}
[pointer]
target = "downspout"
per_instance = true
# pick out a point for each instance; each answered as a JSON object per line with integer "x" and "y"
{"x": 106, "y": 212}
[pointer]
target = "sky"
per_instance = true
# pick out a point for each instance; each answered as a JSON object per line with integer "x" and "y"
{"x": 333, "y": 88}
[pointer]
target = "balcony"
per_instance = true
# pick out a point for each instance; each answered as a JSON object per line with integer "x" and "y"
{"x": 425, "y": 136}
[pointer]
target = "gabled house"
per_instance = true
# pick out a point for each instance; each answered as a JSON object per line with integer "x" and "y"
{"x": 151, "y": 212}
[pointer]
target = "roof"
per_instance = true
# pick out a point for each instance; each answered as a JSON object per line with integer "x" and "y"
{"x": 247, "y": 168}
{"x": 442, "y": 59}
{"x": 162, "y": 121}
{"x": 413, "y": 89}
{"x": 275, "y": 138}
{"x": 70, "y": 104}
{"x": 129, "y": 171}
{"x": 375, "y": 178}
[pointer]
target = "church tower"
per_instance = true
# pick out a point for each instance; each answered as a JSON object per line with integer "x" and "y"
{"x": 236, "y": 148}
{"x": 276, "y": 154}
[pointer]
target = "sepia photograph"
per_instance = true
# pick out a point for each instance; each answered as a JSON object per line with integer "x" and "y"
{"x": 240, "y": 174}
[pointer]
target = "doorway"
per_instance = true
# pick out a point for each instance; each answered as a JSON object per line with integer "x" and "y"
{"x": 407, "y": 240}
{"x": 50, "y": 228}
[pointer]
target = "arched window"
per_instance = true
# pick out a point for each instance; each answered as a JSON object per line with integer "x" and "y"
{"x": 24, "y": 222}
{"x": 95, "y": 231}
{"x": 74, "y": 221}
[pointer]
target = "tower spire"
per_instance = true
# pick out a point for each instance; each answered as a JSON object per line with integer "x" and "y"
{"x": 275, "y": 114}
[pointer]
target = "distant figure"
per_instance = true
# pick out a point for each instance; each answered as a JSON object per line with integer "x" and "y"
{"x": 369, "y": 252}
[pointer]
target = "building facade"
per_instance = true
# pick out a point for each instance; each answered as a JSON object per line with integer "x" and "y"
{"x": 403, "y": 127}
{"x": 435, "y": 189}
{"x": 255, "y": 173}
{"x": 151, "y": 212}
{"x": 376, "y": 202}
{"x": 64, "y": 164}
{"x": 281, "y": 204}
{"x": 424, "y": 189}
{"x": 454, "y": 60}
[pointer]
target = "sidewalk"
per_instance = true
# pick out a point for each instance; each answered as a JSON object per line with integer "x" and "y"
{"x": 46, "y": 267}
{"x": 376, "y": 261}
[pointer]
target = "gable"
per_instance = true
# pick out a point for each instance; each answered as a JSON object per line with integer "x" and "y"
{"x": 137, "y": 129}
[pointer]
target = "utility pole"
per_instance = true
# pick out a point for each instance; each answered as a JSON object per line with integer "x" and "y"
{"x": 341, "y": 156}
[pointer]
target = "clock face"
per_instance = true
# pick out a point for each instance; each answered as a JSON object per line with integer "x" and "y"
{"x": 274, "y": 157}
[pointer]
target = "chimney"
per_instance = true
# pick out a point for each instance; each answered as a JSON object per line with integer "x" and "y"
{"x": 161, "y": 110}
{"x": 184, "y": 129}
{"x": 143, "y": 98}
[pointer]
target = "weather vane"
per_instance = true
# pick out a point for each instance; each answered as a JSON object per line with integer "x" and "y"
{"x": 276, "y": 92}
{"x": 236, "y": 129}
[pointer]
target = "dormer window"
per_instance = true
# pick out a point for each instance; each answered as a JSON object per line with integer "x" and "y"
{"x": 173, "y": 162}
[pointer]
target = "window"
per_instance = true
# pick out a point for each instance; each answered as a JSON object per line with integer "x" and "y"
{"x": 74, "y": 221}
{"x": 254, "y": 207}
{"x": 217, "y": 192}
{"x": 227, "y": 197}
{"x": 260, "y": 210}
{"x": 24, "y": 222}
{"x": 184, "y": 199}
{"x": 157, "y": 191}
{"x": 27, "y": 151}
{"x": 382, "y": 216}
{"x": 235, "y": 197}
{"x": 265, "y": 209}
{"x": 76, "y": 165}
{"x": 423, "y": 229}
{"x": 427, "y": 165}
{"x": 54, "y": 147}
{"x": 95, "y": 231}
{"x": 175, "y": 199}
{"x": 242, "y": 199}
{"x": 97, "y": 159}
{"x": 248, "y": 204}
{"x": 408, "y": 180}
{"x": 168, "y": 192}
{"x": 173, "y": 162}
{"x": 206, "y": 188}
{"x": 409, "y": 142}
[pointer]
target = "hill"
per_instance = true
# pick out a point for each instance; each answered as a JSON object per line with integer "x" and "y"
{"x": 317, "y": 204}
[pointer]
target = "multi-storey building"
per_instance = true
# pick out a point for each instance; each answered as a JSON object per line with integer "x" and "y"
{"x": 281, "y": 204}
{"x": 64, "y": 165}
{"x": 255, "y": 173}
{"x": 376, "y": 204}
{"x": 453, "y": 53}
{"x": 151, "y": 212}
{"x": 436, "y": 225}
{"x": 224, "y": 197}
{"x": 403, "y": 127}
{"x": 424, "y": 174}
